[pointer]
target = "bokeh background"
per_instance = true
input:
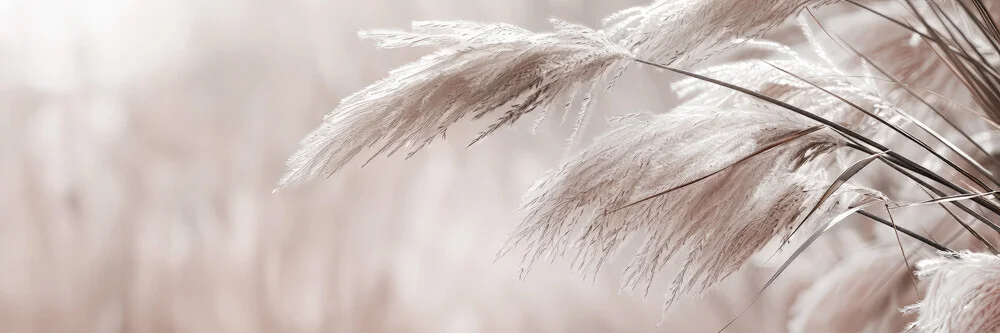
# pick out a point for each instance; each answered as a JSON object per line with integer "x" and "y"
{"x": 140, "y": 142}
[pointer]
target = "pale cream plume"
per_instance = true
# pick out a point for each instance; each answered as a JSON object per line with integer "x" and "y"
{"x": 483, "y": 68}
{"x": 713, "y": 224}
{"x": 963, "y": 294}
{"x": 684, "y": 32}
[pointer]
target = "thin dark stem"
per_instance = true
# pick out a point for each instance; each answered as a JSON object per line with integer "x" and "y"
{"x": 888, "y": 161}
{"x": 895, "y": 128}
{"x": 905, "y": 231}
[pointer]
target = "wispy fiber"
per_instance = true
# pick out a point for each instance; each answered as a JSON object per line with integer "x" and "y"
{"x": 684, "y": 32}
{"x": 482, "y": 68}
{"x": 797, "y": 79}
{"x": 963, "y": 294}
{"x": 740, "y": 177}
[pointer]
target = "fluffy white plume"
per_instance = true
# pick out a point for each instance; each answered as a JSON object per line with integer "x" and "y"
{"x": 483, "y": 67}
{"x": 712, "y": 226}
{"x": 793, "y": 77}
{"x": 683, "y": 32}
{"x": 963, "y": 294}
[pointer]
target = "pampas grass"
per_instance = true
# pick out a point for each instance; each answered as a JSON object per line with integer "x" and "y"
{"x": 709, "y": 188}
{"x": 772, "y": 149}
{"x": 962, "y": 294}
{"x": 685, "y": 32}
{"x": 482, "y": 68}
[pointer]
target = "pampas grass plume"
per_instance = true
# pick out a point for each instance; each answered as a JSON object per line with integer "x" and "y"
{"x": 963, "y": 294}
{"x": 481, "y": 68}
{"x": 730, "y": 207}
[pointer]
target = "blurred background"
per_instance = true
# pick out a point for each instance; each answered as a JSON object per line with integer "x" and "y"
{"x": 141, "y": 141}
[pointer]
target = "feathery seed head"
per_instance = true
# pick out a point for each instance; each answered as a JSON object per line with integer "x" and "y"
{"x": 684, "y": 32}
{"x": 737, "y": 179}
{"x": 963, "y": 294}
{"x": 482, "y": 68}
